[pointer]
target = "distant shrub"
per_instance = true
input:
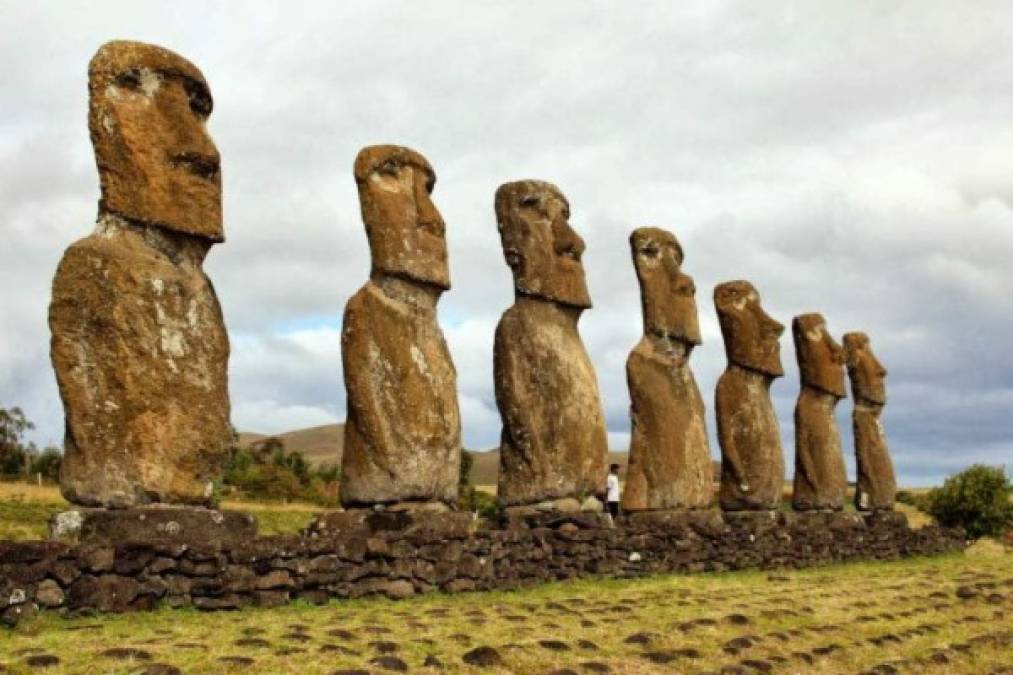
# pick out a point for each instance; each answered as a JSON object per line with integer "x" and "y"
{"x": 478, "y": 501}
{"x": 977, "y": 499}
{"x": 46, "y": 463}
{"x": 266, "y": 470}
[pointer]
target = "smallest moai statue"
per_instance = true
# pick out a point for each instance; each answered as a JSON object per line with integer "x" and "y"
{"x": 876, "y": 485}
{"x": 821, "y": 481}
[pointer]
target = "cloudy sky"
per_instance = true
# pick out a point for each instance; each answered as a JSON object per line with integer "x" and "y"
{"x": 851, "y": 158}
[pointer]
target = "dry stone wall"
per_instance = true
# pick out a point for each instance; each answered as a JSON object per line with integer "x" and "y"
{"x": 392, "y": 555}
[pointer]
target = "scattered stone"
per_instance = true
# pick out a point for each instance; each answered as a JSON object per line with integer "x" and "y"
{"x": 126, "y": 654}
{"x": 252, "y": 642}
{"x": 391, "y": 663}
{"x": 161, "y": 669}
{"x": 384, "y": 646}
{"x": 596, "y": 667}
{"x": 237, "y": 660}
{"x": 660, "y": 657}
{"x": 42, "y": 661}
{"x": 967, "y": 592}
{"x": 554, "y": 645}
{"x": 484, "y": 657}
{"x": 642, "y": 638}
{"x": 433, "y": 662}
{"x": 737, "y": 619}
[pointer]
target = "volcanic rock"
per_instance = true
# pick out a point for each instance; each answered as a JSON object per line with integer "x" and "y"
{"x": 138, "y": 342}
{"x": 670, "y": 464}
{"x": 403, "y": 432}
{"x": 553, "y": 443}
{"x": 752, "y": 463}
{"x": 876, "y": 484}
{"x": 821, "y": 480}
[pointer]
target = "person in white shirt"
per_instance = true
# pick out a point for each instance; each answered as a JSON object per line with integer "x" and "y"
{"x": 612, "y": 491}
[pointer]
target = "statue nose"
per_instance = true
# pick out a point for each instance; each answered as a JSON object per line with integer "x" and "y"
{"x": 567, "y": 242}
{"x": 429, "y": 217}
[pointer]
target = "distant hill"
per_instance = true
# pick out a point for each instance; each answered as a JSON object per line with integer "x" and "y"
{"x": 325, "y": 444}
{"x": 319, "y": 445}
{"x": 485, "y": 469}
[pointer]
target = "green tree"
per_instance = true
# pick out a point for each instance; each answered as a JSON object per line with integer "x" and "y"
{"x": 464, "y": 477}
{"x": 977, "y": 499}
{"x": 13, "y": 455}
{"x": 47, "y": 462}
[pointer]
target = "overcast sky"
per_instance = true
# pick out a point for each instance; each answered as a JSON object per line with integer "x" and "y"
{"x": 851, "y": 158}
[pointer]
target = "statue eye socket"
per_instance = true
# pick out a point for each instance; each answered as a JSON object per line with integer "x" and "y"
{"x": 388, "y": 168}
{"x": 200, "y": 99}
{"x": 129, "y": 79}
{"x": 529, "y": 202}
{"x": 650, "y": 250}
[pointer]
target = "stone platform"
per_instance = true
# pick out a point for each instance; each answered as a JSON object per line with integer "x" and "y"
{"x": 355, "y": 554}
{"x": 171, "y": 524}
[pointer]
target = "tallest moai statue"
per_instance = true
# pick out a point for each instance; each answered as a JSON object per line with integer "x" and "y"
{"x": 138, "y": 342}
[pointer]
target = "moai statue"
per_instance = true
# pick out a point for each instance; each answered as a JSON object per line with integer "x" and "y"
{"x": 403, "y": 431}
{"x": 670, "y": 463}
{"x": 138, "y": 342}
{"x": 821, "y": 481}
{"x": 752, "y": 462}
{"x": 554, "y": 443}
{"x": 876, "y": 485}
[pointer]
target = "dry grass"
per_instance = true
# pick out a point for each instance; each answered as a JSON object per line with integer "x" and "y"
{"x": 25, "y": 510}
{"x": 864, "y": 614}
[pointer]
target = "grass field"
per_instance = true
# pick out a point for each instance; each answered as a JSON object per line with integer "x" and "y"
{"x": 903, "y": 615}
{"x": 839, "y": 619}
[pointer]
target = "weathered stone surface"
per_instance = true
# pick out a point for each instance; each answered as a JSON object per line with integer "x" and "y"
{"x": 424, "y": 556}
{"x": 752, "y": 463}
{"x": 553, "y": 443}
{"x": 670, "y": 463}
{"x": 173, "y": 524}
{"x": 138, "y": 342}
{"x": 821, "y": 480}
{"x": 403, "y": 431}
{"x": 876, "y": 484}
{"x": 157, "y": 164}
{"x": 449, "y": 525}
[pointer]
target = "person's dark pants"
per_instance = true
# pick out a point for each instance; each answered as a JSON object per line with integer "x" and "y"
{"x": 613, "y": 508}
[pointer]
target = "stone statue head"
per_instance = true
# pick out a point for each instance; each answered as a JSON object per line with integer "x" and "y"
{"x": 820, "y": 358}
{"x": 406, "y": 233}
{"x": 867, "y": 374}
{"x": 751, "y": 336}
{"x": 540, "y": 247}
{"x": 147, "y": 109}
{"x": 667, "y": 295}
